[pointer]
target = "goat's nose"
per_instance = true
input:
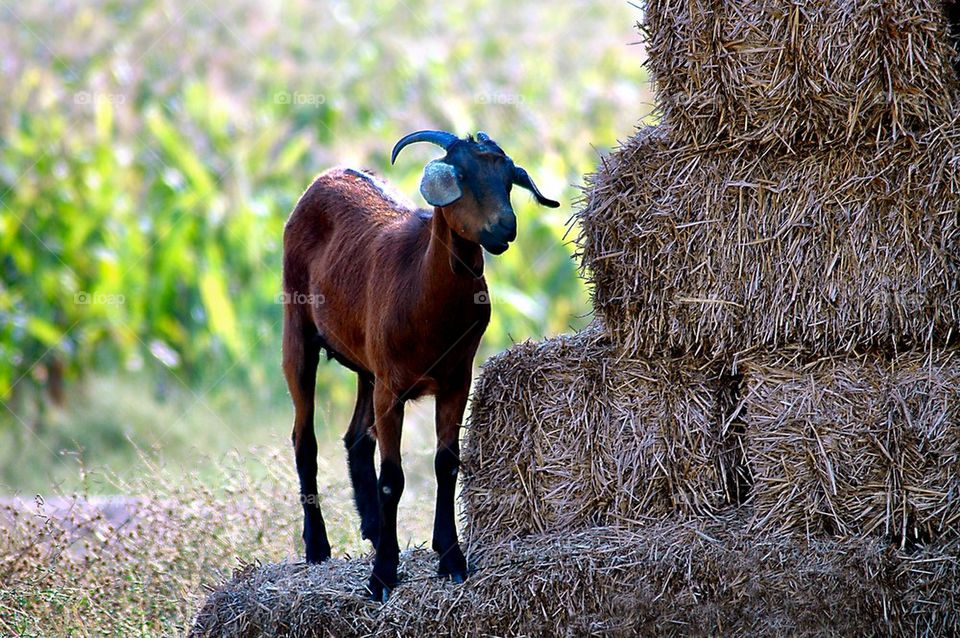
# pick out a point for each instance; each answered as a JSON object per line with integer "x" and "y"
{"x": 508, "y": 223}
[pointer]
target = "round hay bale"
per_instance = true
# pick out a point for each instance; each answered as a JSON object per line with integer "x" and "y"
{"x": 801, "y": 73}
{"x": 716, "y": 251}
{"x": 672, "y": 577}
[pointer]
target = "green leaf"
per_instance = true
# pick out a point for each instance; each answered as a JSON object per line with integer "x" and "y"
{"x": 44, "y": 332}
{"x": 223, "y": 320}
{"x": 180, "y": 153}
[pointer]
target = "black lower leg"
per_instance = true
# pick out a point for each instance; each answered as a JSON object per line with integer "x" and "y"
{"x": 314, "y": 530}
{"x": 952, "y": 9}
{"x": 363, "y": 476}
{"x": 389, "y": 488}
{"x": 445, "y": 542}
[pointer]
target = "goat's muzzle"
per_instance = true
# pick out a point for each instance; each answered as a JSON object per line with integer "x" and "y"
{"x": 497, "y": 236}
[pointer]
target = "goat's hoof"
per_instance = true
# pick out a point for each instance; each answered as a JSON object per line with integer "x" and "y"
{"x": 379, "y": 592}
{"x": 382, "y": 580}
{"x": 453, "y": 565}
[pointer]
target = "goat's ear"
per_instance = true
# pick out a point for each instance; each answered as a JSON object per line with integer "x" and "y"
{"x": 440, "y": 185}
{"x": 522, "y": 179}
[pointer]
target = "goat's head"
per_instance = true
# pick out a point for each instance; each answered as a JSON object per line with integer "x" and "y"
{"x": 471, "y": 186}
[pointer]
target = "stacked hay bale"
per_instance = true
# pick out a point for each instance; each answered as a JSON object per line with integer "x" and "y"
{"x": 776, "y": 273}
{"x": 571, "y": 433}
{"x": 760, "y": 432}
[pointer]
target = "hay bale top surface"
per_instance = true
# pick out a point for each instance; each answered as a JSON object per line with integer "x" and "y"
{"x": 675, "y": 577}
{"x": 801, "y": 73}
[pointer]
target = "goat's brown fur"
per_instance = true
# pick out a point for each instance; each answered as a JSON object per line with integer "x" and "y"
{"x": 380, "y": 279}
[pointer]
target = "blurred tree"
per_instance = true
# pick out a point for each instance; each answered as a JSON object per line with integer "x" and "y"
{"x": 150, "y": 152}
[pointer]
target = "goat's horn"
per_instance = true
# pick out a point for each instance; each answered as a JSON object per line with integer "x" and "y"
{"x": 440, "y": 138}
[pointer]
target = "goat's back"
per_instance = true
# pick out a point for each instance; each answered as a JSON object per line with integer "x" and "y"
{"x": 337, "y": 241}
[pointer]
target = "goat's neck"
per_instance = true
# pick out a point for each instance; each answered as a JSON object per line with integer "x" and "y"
{"x": 450, "y": 256}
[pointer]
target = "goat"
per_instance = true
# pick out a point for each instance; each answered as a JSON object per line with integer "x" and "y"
{"x": 398, "y": 296}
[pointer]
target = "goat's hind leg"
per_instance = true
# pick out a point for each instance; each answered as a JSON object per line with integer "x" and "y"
{"x": 300, "y": 359}
{"x": 360, "y": 446}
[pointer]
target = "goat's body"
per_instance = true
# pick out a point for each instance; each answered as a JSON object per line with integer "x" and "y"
{"x": 361, "y": 263}
{"x": 392, "y": 293}
{"x": 397, "y": 295}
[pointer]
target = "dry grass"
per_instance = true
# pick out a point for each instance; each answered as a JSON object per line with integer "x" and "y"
{"x": 77, "y": 565}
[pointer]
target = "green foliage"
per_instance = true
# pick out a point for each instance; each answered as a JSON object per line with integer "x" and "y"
{"x": 149, "y": 155}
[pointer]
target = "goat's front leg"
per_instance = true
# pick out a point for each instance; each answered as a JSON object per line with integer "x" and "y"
{"x": 451, "y": 404}
{"x": 388, "y": 422}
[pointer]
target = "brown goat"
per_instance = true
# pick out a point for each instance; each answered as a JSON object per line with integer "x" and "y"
{"x": 398, "y": 296}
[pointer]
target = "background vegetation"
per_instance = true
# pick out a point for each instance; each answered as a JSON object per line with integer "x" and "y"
{"x": 149, "y": 155}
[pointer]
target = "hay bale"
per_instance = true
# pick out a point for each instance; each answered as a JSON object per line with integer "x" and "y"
{"x": 674, "y": 577}
{"x": 801, "y": 73}
{"x": 716, "y": 251}
{"x": 565, "y": 435}
{"x": 856, "y": 446}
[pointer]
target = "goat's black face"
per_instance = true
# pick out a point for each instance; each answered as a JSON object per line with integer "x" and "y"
{"x": 484, "y": 213}
{"x": 471, "y": 185}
